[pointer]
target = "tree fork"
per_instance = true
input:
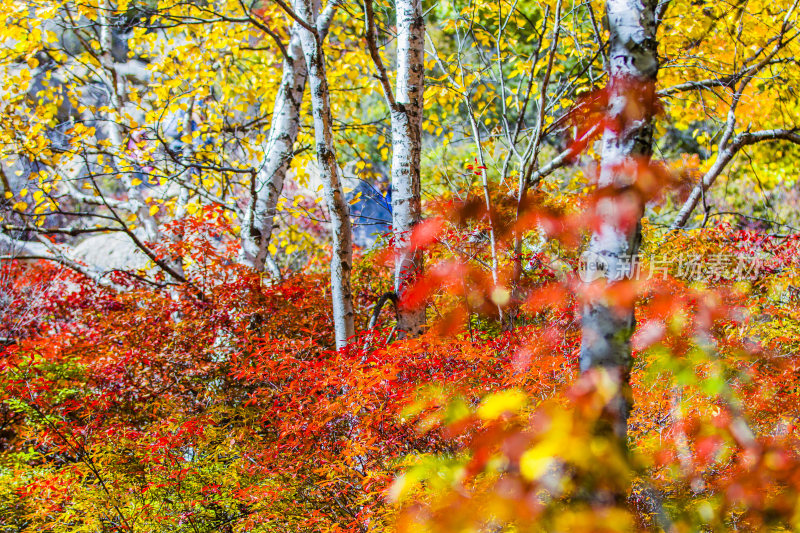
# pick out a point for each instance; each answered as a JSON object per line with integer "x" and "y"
{"x": 268, "y": 181}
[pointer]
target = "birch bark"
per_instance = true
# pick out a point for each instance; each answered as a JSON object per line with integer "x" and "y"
{"x": 282, "y": 136}
{"x": 339, "y": 212}
{"x": 626, "y": 147}
{"x": 114, "y": 84}
{"x": 280, "y": 146}
{"x": 406, "y": 153}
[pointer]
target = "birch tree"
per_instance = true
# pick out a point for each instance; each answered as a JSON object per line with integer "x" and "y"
{"x": 407, "y": 147}
{"x": 311, "y": 35}
{"x": 626, "y": 151}
{"x": 281, "y": 141}
{"x": 406, "y": 108}
{"x": 280, "y": 145}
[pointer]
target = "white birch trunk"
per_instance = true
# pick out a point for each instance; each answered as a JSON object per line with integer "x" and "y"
{"x": 280, "y": 146}
{"x": 338, "y": 209}
{"x": 406, "y": 154}
{"x": 633, "y": 67}
{"x": 115, "y": 84}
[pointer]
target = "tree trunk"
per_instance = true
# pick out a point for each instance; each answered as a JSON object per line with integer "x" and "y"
{"x": 280, "y": 145}
{"x": 406, "y": 153}
{"x": 115, "y": 84}
{"x": 339, "y": 212}
{"x": 627, "y": 148}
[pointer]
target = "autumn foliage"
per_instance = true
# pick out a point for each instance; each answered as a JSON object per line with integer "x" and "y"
{"x": 222, "y": 405}
{"x": 212, "y": 384}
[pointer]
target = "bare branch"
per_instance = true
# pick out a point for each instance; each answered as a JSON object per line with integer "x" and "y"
{"x": 371, "y": 34}
{"x": 725, "y": 156}
{"x": 291, "y": 12}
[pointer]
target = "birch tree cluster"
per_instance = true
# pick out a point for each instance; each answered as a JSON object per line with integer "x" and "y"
{"x": 120, "y": 117}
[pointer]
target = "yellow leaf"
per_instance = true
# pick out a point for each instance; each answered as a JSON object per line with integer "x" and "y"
{"x": 153, "y": 210}
{"x": 536, "y": 461}
{"x": 494, "y": 405}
